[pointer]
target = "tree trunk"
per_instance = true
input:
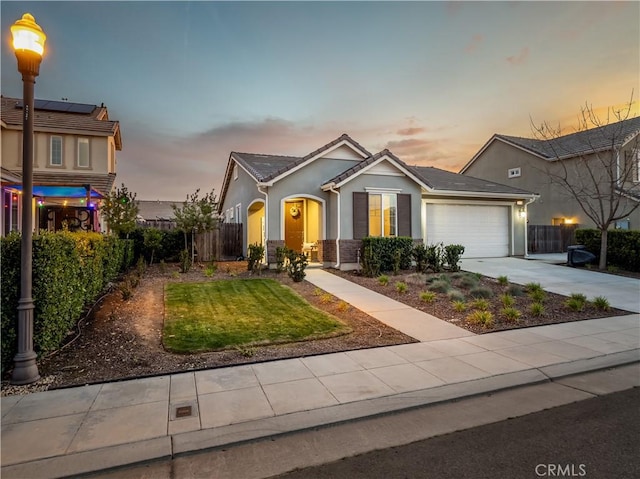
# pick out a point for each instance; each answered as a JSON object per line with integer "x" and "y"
{"x": 603, "y": 249}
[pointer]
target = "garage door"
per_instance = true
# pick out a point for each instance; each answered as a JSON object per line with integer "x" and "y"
{"x": 482, "y": 230}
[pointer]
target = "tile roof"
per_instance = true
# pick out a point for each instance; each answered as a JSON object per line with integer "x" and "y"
{"x": 580, "y": 143}
{"x": 447, "y": 181}
{"x": 9, "y": 176}
{"x": 96, "y": 122}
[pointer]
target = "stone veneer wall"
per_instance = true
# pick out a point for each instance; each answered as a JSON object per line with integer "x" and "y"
{"x": 328, "y": 248}
{"x": 272, "y": 245}
{"x": 349, "y": 251}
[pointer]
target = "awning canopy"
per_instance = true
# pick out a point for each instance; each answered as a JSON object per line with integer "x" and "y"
{"x": 54, "y": 191}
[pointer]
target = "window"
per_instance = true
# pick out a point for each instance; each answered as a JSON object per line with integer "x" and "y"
{"x": 55, "y": 154}
{"x": 238, "y": 216}
{"x": 514, "y": 172}
{"x": 235, "y": 172}
{"x": 383, "y": 218}
{"x": 83, "y": 153}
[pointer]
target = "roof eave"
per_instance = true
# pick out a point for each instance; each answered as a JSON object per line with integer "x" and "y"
{"x": 485, "y": 194}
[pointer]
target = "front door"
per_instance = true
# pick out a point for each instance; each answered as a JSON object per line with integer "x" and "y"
{"x": 294, "y": 225}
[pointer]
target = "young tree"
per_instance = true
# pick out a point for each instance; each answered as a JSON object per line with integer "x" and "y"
{"x": 120, "y": 210}
{"x": 597, "y": 167}
{"x": 196, "y": 215}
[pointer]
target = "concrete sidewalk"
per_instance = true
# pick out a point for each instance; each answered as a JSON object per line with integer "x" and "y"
{"x": 83, "y": 429}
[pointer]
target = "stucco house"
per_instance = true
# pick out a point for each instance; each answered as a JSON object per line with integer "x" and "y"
{"x": 74, "y": 162}
{"x": 324, "y": 203}
{"x": 612, "y": 151}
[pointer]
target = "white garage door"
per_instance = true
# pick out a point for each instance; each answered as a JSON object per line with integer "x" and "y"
{"x": 482, "y": 230}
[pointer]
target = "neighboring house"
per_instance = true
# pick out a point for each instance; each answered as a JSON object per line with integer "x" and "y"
{"x": 325, "y": 202}
{"x": 525, "y": 163}
{"x": 74, "y": 161}
{"x": 11, "y": 207}
{"x": 157, "y": 214}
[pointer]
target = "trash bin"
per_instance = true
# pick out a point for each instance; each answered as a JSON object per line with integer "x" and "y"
{"x": 577, "y": 255}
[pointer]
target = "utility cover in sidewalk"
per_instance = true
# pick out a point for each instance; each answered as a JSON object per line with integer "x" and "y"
{"x": 183, "y": 410}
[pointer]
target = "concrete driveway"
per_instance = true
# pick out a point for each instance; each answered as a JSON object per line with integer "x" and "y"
{"x": 622, "y": 292}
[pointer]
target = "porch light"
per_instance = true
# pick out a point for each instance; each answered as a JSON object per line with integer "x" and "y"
{"x": 522, "y": 213}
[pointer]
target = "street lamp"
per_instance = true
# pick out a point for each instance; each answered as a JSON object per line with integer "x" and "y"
{"x": 28, "y": 43}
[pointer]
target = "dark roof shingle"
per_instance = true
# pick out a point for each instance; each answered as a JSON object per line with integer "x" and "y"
{"x": 95, "y": 122}
{"x": 601, "y": 138}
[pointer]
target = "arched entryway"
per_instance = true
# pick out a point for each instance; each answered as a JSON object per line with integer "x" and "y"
{"x": 303, "y": 224}
{"x": 256, "y": 233}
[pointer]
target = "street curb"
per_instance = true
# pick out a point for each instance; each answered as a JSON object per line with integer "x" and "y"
{"x": 235, "y": 434}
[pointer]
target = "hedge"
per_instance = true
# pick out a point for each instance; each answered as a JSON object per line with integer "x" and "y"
{"x": 382, "y": 254}
{"x": 69, "y": 271}
{"x": 623, "y": 246}
{"x": 169, "y": 251}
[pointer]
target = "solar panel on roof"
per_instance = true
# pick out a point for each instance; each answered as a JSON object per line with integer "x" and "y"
{"x": 61, "y": 106}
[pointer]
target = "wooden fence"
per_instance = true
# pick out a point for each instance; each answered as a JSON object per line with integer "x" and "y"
{"x": 550, "y": 239}
{"x": 222, "y": 243}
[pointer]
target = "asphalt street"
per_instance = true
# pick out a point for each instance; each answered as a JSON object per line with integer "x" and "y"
{"x": 595, "y": 438}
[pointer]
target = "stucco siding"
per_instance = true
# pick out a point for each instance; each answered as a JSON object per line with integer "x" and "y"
{"x": 364, "y": 181}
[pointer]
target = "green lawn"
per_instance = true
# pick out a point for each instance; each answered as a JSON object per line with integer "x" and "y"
{"x": 240, "y": 312}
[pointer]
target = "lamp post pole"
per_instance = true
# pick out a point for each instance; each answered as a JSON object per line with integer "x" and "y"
{"x": 28, "y": 42}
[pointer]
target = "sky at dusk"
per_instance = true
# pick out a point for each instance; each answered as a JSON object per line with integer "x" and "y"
{"x": 190, "y": 82}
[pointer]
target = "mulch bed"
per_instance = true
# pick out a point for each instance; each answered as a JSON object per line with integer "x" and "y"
{"x": 555, "y": 310}
{"x": 123, "y": 339}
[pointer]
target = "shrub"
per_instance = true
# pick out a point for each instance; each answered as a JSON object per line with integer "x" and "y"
{"x": 515, "y": 290}
{"x": 601, "y": 303}
{"x": 256, "y": 253}
{"x": 126, "y": 290}
{"x": 297, "y": 262}
{"x": 210, "y": 270}
{"x": 383, "y": 279}
{"x": 484, "y": 318}
{"x": 185, "y": 261}
{"x": 503, "y": 280}
{"x": 326, "y": 298}
{"x": 419, "y": 255}
{"x": 537, "y": 309}
{"x": 453, "y": 253}
{"x": 435, "y": 257}
{"x": 529, "y": 287}
{"x": 459, "y": 306}
{"x": 507, "y": 300}
{"x": 481, "y": 304}
{"x": 576, "y": 302}
{"x": 623, "y": 246}
{"x": 511, "y": 314}
{"x": 455, "y": 295}
{"x": 468, "y": 281}
{"x": 439, "y": 286}
{"x": 152, "y": 240}
{"x": 383, "y": 254}
{"x": 317, "y": 292}
{"x": 401, "y": 287}
{"x": 343, "y": 306}
{"x": 281, "y": 258}
{"x": 538, "y": 295}
{"x": 481, "y": 292}
{"x": 163, "y": 267}
{"x": 428, "y": 296}
{"x": 69, "y": 271}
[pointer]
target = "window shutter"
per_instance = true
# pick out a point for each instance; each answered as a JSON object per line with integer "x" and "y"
{"x": 404, "y": 215}
{"x": 360, "y": 215}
